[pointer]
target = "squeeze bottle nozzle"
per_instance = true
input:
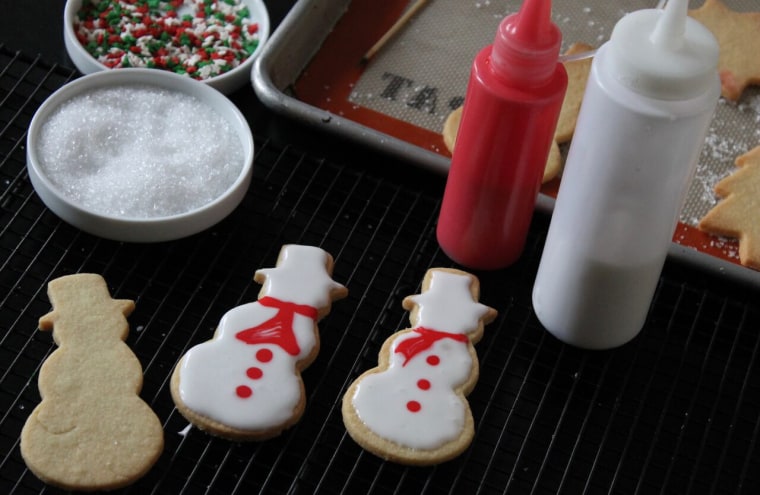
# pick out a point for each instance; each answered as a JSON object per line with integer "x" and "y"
{"x": 663, "y": 54}
{"x": 527, "y": 43}
{"x": 670, "y": 29}
{"x": 532, "y": 22}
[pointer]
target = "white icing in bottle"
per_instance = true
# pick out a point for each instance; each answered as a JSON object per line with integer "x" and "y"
{"x": 648, "y": 103}
{"x": 246, "y": 376}
{"x": 413, "y": 403}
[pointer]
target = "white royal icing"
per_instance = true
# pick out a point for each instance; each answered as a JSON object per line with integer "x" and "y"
{"x": 413, "y": 402}
{"x": 211, "y": 372}
{"x": 447, "y": 305}
{"x": 381, "y": 399}
{"x": 300, "y": 277}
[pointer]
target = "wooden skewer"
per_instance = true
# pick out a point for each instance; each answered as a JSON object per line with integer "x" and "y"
{"x": 393, "y": 30}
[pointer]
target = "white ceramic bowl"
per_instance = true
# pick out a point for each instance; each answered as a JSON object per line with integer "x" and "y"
{"x": 153, "y": 229}
{"x": 226, "y": 83}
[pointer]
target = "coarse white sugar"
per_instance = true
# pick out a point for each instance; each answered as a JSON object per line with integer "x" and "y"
{"x": 139, "y": 151}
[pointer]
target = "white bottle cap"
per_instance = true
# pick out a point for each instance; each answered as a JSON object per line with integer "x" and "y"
{"x": 664, "y": 54}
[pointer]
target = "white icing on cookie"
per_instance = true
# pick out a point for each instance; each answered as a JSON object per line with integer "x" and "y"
{"x": 300, "y": 277}
{"x": 413, "y": 402}
{"x": 246, "y": 377}
{"x": 386, "y": 402}
{"x": 211, "y": 372}
{"x": 447, "y": 305}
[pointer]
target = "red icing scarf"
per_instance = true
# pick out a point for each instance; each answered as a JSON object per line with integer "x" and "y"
{"x": 278, "y": 329}
{"x": 425, "y": 340}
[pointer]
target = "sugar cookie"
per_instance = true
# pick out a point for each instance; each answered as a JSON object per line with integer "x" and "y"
{"x": 577, "y": 76}
{"x": 739, "y": 41}
{"x": 245, "y": 383}
{"x": 737, "y": 214}
{"x": 451, "y": 128}
{"x": 411, "y": 408}
{"x": 91, "y": 431}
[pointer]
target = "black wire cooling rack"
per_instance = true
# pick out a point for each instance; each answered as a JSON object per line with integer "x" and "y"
{"x": 675, "y": 411}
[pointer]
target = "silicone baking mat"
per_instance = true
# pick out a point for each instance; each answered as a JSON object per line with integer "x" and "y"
{"x": 414, "y": 82}
{"x": 675, "y": 411}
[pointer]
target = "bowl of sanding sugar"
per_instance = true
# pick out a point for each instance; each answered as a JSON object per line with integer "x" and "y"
{"x": 215, "y": 42}
{"x": 139, "y": 155}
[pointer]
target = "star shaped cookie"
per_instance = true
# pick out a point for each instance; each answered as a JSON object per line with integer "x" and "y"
{"x": 738, "y": 35}
{"x": 577, "y": 76}
{"x": 737, "y": 214}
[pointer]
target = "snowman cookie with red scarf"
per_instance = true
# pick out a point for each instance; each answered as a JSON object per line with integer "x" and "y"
{"x": 245, "y": 383}
{"x": 412, "y": 407}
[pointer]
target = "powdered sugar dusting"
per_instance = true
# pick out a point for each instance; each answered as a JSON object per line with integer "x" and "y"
{"x": 733, "y": 131}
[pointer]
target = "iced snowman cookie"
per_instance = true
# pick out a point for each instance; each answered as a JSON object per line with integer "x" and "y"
{"x": 412, "y": 407}
{"x": 245, "y": 383}
{"x": 91, "y": 431}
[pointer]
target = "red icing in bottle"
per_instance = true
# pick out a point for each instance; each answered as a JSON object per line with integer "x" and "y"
{"x": 511, "y": 108}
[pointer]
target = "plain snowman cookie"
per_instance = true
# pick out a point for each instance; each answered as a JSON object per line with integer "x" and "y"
{"x": 91, "y": 431}
{"x": 412, "y": 408}
{"x": 245, "y": 383}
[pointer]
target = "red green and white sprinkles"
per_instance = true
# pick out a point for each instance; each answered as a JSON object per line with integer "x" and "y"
{"x": 198, "y": 38}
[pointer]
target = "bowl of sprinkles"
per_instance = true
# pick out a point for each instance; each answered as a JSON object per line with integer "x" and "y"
{"x": 213, "y": 41}
{"x": 139, "y": 155}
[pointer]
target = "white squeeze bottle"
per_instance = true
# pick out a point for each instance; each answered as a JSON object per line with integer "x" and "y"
{"x": 649, "y": 100}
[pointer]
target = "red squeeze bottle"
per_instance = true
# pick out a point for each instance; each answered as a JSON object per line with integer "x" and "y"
{"x": 510, "y": 112}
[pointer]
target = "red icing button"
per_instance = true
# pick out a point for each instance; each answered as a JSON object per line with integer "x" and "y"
{"x": 413, "y": 406}
{"x": 264, "y": 355}
{"x": 254, "y": 373}
{"x": 433, "y": 360}
{"x": 423, "y": 384}
{"x": 243, "y": 392}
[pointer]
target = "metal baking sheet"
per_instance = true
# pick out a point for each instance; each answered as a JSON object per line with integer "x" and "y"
{"x": 303, "y": 35}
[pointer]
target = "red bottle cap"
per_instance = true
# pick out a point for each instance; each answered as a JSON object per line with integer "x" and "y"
{"x": 527, "y": 44}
